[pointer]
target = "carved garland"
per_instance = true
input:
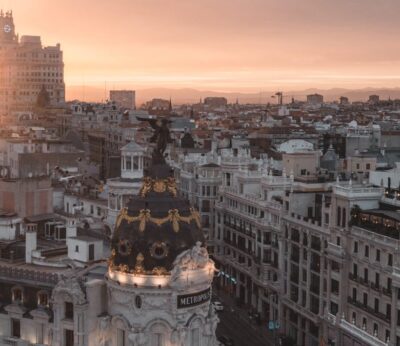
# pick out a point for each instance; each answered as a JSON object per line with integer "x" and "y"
{"x": 158, "y": 185}
{"x": 145, "y": 216}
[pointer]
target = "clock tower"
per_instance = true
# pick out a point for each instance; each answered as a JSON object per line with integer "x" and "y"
{"x": 7, "y": 28}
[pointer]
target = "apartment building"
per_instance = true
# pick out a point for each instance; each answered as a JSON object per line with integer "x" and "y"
{"x": 318, "y": 257}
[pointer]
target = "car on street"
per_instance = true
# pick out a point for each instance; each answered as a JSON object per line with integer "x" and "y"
{"x": 218, "y": 306}
{"x": 226, "y": 341}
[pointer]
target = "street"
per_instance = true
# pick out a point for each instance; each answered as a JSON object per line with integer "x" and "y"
{"x": 236, "y": 325}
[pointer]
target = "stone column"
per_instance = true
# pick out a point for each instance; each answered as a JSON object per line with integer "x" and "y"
{"x": 80, "y": 325}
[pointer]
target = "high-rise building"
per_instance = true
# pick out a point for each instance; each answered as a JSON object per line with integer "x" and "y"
{"x": 373, "y": 99}
{"x": 123, "y": 98}
{"x": 315, "y": 99}
{"x": 215, "y": 102}
{"x": 344, "y": 100}
{"x": 27, "y": 69}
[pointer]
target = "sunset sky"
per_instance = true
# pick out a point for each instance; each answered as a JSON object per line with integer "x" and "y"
{"x": 230, "y": 45}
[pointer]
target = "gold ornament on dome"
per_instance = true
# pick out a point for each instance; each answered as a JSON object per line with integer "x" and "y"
{"x": 173, "y": 216}
{"x": 139, "y": 268}
{"x": 124, "y": 268}
{"x": 111, "y": 259}
{"x": 159, "y": 271}
{"x": 158, "y": 185}
{"x": 159, "y": 250}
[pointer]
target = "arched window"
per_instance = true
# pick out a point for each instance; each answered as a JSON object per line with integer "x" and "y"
{"x": 195, "y": 337}
{"x": 158, "y": 335}
{"x": 195, "y": 334}
{"x": 120, "y": 326}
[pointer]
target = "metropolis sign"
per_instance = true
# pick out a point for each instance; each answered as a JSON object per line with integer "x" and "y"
{"x": 189, "y": 300}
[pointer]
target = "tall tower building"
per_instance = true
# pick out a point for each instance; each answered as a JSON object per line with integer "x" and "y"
{"x": 26, "y": 68}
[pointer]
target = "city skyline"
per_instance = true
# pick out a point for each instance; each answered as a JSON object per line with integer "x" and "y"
{"x": 219, "y": 46}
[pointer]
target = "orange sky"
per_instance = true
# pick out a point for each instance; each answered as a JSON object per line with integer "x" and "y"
{"x": 235, "y": 45}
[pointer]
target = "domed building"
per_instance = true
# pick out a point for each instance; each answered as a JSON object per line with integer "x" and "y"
{"x": 159, "y": 276}
{"x": 155, "y": 289}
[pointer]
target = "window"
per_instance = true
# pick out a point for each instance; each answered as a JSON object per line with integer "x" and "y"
{"x": 365, "y": 275}
{"x": 69, "y": 310}
{"x": 355, "y": 270}
{"x": 355, "y": 247}
{"x": 69, "y": 337}
{"x": 335, "y": 286}
{"x": 338, "y": 216}
{"x": 120, "y": 337}
{"x": 43, "y": 299}
{"x": 375, "y": 329}
{"x": 91, "y": 252}
{"x": 388, "y": 311}
{"x": 366, "y": 251}
{"x": 353, "y": 318}
{"x": 157, "y": 339}
{"x": 76, "y": 248}
{"x": 16, "y": 328}
{"x": 354, "y": 293}
{"x": 91, "y": 209}
{"x": 228, "y": 179}
{"x": 368, "y": 166}
{"x": 344, "y": 217}
{"x": 17, "y": 295}
{"x": 390, "y": 260}
{"x": 376, "y": 305}
{"x": 365, "y": 299}
{"x": 334, "y": 308}
{"x": 378, "y": 255}
{"x": 377, "y": 280}
{"x": 195, "y": 337}
{"x": 128, "y": 163}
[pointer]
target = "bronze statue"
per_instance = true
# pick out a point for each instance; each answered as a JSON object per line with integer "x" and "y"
{"x": 161, "y": 136}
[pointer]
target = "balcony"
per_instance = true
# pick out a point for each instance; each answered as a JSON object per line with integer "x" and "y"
{"x": 369, "y": 310}
{"x": 335, "y": 250}
{"x": 12, "y": 341}
{"x": 361, "y": 334}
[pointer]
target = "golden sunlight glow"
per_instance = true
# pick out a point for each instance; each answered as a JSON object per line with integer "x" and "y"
{"x": 233, "y": 45}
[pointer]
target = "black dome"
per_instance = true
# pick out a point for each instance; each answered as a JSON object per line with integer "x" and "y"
{"x": 155, "y": 227}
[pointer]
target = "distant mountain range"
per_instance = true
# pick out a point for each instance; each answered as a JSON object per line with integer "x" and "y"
{"x": 187, "y": 95}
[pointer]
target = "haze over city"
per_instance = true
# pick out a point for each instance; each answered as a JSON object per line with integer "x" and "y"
{"x": 199, "y": 173}
{"x": 229, "y": 46}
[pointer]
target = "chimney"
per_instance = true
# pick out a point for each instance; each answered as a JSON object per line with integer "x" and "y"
{"x": 30, "y": 241}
